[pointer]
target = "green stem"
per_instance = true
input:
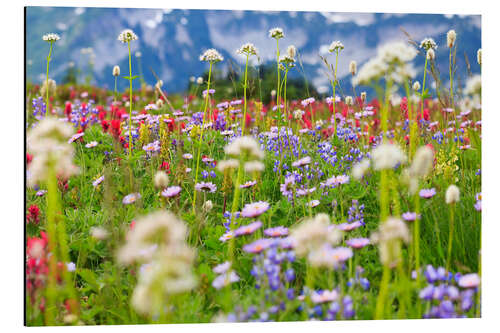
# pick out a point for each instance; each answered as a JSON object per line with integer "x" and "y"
{"x": 243, "y": 125}
{"x": 47, "y": 80}
{"x": 201, "y": 135}
{"x": 384, "y": 287}
{"x": 450, "y": 237}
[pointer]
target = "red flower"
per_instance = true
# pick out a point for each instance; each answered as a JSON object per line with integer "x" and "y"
{"x": 33, "y": 215}
{"x": 29, "y": 158}
{"x": 67, "y": 110}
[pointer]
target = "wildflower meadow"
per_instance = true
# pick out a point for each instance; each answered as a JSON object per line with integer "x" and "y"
{"x": 144, "y": 206}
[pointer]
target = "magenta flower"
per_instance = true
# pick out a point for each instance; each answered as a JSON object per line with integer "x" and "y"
{"x": 255, "y": 209}
{"x": 349, "y": 226}
{"x": 276, "y": 231}
{"x": 469, "y": 280}
{"x": 409, "y": 216}
{"x": 171, "y": 191}
{"x": 258, "y": 246}
{"x": 206, "y": 187}
{"x": 248, "y": 229}
{"x": 427, "y": 193}
{"x": 357, "y": 243}
{"x": 248, "y": 184}
{"x": 131, "y": 198}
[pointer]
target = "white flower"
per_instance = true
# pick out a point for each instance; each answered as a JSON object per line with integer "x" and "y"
{"x": 211, "y": 55}
{"x": 199, "y": 80}
{"x": 452, "y": 194}
{"x": 359, "y": 169}
{"x": 422, "y": 162}
{"x": 254, "y": 166}
{"x": 473, "y": 85}
{"x": 416, "y": 86}
{"x": 430, "y": 54}
{"x": 291, "y": 51}
{"x": 51, "y": 37}
{"x": 428, "y": 43}
{"x": 99, "y": 233}
{"x": 353, "y": 67}
{"x": 451, "y": 36}
{"x": 207, "y": 206}
{"x": 335, "y": 46}
{"x": 227, "y": 165}
{"x": 161, "y": 179}
{"x": 348, "y": 100}
{"x": 387, "y": 156}
{"x": 116, "y": 70}
{"x": 480, "y": 56}
{"x": 276, "y": 33}
{"x": 313, "y": 234}
{"x": 51, "y": 86}
{"x": 244, "y": 144}
{"x": 297, "y": 114}
{"x": 126, "y": 36}
{"x": 247, "y": 49}
{"x": 49, "y": 146}
{"x": 388, "y": 237}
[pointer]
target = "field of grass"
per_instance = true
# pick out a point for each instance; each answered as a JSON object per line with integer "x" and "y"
{"x": 143, "y": 208}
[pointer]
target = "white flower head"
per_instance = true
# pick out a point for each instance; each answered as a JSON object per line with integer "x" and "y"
{"x": 428, "y": 43}
{"x": 244, "y": 144}
{"x": 116, "y": 70}
{"x": 276, "y": 33}
{"x": 51, "y": 37}
{"x": 452, "y": 194}
{"x": 416, "y": 86}
{"x": 352, "y": 67}
{"x": 212, "y": 56}
{"x": 359, "y": 169}
{"x": 422, "y": 162}
{"x": 387, "y": 156}
{"x": 247, "y": 49}
{"x": 335, "y": 46}
{"x": 431, "y": 55}
{"x": 291, "y": 51}
{"x": 480, "y": 56}
{"x": 451, "y": 37}
{"x": 127, "y": 35}
{"x": 161, "y": 179}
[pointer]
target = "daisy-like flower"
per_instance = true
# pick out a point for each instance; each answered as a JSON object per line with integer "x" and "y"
{"x": 287, "y": 188}
{"x": 358, "y": 243}
{"x": 247, "y": 49}
{"x": 41, "y": 193}
{"x": 91, "y": 144}
{"x": 428, "y": 43}
{"x": 335, "y": 46}
{"x": 427, "y": 193}
{"x": 258, "y": 246}
{"x": 127, "y": 36}
{"x": 131, "y": 198}
{"x": 387, "y": 156}
{"x": 97, "y": 181}
{"x": 227, "y": 236}
{"x": 469, "y": 280}
{"x": 51, "y": 37}
{"x": 325, "y": 296}
{"x": 171, "y": 191}
{"x": 248, "y": 184}
{"x": 206, "y": 187}
{"x": 187, "y": 156}
{"x": 222, "y": 268}
{"x": 211, "y": 55}
{"x": 225, "y": 279}
{"x": 248, "y": 229}
{"x": 255, "y": 209}
{"x": 349, "y": 226}
{"x": 276, "y": 33}
{"x": 313, "y": 203}
{"x": 75, "y": 137}
{"x": 303, "y": 161}
{"x": 409, "y": 216}
{"x": 279, "y": 231}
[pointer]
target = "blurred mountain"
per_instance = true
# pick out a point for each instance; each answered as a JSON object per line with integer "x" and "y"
{"x": 171, "y": 41}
